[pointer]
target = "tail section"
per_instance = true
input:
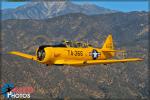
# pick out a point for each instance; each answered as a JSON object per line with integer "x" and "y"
{"x": 108, "y": 47}
{"x": 108, "y": 44}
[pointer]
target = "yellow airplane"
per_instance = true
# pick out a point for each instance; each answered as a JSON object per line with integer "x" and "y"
{"x": 76, "y": 53}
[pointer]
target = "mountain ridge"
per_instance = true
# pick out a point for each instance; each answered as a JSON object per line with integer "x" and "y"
{"x": 76, "y": 26}
{"x": 44, "y": 10}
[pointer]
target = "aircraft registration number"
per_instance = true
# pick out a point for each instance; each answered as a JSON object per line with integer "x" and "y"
{"x": 75, "y": 53}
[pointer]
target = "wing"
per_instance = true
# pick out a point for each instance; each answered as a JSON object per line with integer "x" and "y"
{"x": 23, "y": 55}
{"x": 81, "y": 62}
{"x": 110, "y": 61}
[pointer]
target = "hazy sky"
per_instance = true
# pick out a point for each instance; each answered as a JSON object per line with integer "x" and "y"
{"x": 125, "y": 6}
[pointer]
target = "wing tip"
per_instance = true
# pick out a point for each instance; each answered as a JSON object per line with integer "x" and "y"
{"x": 141, "y": 59}
{"x": 138, "y": 59}
{"x": 11, "y": 52}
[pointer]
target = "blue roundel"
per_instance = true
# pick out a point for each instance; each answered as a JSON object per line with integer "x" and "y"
{"x": 95, "y": 54}
{"x": 7, "y": 87}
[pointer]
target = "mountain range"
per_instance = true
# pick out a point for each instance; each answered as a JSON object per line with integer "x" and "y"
{"x": 129, "y": 30}
{"x": 44, "y": 10}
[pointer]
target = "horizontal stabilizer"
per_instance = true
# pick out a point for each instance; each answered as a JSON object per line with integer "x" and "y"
{"x": 113, "y": 50}
{"x": 23, "y": 55}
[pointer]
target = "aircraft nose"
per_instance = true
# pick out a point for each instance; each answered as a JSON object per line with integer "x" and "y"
{"x": 40, "y": 54}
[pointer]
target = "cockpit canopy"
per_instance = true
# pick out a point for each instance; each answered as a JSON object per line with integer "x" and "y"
{"x": 58, "y": 44}
{"x": 70, "y": 44}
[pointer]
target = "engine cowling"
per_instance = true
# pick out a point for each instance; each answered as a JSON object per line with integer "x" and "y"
{"x": 41, "y": 54}
{"x": 44, "y": 54}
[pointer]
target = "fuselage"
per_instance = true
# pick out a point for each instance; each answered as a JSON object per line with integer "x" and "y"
{"x": 51, "y": 54}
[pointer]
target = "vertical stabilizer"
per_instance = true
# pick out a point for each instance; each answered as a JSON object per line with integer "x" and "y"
{"x": 108, "y": 44}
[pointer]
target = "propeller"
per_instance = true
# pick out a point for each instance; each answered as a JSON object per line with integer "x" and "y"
{"x": 41, "y": 52}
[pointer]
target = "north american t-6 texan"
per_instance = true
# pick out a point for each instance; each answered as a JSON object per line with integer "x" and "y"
{"x": 76, "y": 53}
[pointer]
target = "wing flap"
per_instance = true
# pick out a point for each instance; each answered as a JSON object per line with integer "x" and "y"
{"x": 69, "y": 62}
{"x": 23, "y": 55}
{"x": 113, "y": 61}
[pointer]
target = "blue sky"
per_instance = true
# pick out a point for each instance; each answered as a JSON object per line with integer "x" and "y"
{"x": 125, "y": 6}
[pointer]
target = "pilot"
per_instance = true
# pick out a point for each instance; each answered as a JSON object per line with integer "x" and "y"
{"x": 79, "y": 44}
{"x": 67, "y": 43}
